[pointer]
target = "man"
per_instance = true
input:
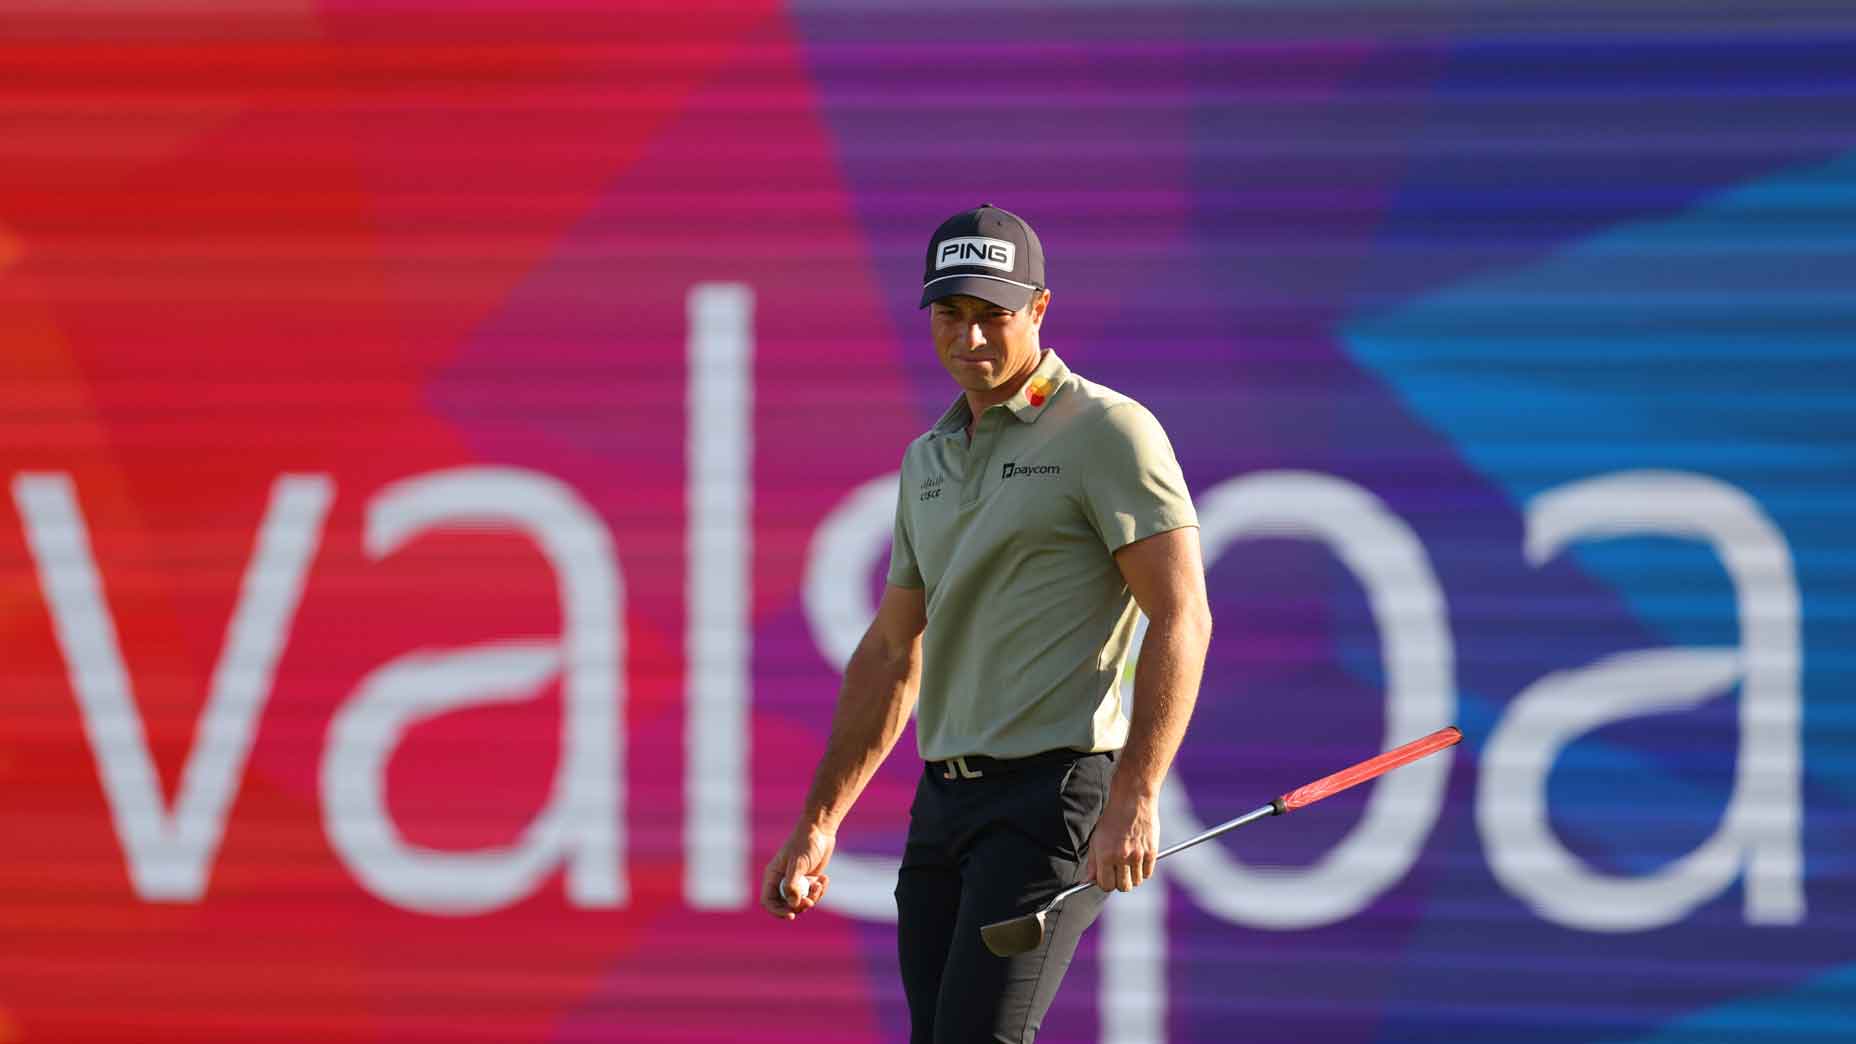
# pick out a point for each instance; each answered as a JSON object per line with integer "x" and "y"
{"x": 1032, "y": 521}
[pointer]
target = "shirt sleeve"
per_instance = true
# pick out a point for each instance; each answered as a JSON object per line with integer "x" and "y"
{"x": 903, "y": 569}
{"x": 1133, "y": 487}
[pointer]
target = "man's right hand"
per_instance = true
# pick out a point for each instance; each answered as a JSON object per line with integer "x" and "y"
{"x": 805, "y": 854}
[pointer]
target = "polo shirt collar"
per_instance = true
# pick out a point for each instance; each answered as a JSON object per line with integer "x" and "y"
{"x": 1035, "y": 394}
{"x": 1026, "y": 404}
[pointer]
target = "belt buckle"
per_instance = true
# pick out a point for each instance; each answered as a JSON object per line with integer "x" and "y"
{"x": 959, "y": 764}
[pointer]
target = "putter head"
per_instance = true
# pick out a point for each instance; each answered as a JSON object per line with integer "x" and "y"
{"x": 1016, "y": 936}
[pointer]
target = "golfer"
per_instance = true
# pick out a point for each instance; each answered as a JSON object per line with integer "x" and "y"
{"x": 1033, "y": 521}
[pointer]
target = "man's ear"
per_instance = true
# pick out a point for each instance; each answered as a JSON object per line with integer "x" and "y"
{"x": 1038, "y": 305}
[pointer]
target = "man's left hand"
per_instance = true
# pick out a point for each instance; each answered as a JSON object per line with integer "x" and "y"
{"x": 1125, "y": 843}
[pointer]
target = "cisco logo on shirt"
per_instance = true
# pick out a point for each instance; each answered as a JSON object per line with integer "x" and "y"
{"x": 975, "y": 250}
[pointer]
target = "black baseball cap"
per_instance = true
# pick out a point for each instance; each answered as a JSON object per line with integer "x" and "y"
{"x": 987, "y": 253}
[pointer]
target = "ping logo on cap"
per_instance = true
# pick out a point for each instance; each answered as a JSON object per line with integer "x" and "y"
{"x": 975, "y": 250}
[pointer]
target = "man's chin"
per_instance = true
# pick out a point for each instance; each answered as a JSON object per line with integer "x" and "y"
{"x": 975, "y": 378}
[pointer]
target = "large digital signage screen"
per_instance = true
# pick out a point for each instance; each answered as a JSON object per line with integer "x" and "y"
{"x": 450, "y": 451}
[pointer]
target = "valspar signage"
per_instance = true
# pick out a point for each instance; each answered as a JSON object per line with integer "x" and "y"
{"x": 169, "y": 837}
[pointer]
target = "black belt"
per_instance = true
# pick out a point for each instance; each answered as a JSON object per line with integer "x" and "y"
{"x": 979, "y": 766}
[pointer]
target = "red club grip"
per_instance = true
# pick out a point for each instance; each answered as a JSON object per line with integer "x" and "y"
{"x": 1328, "y": 786}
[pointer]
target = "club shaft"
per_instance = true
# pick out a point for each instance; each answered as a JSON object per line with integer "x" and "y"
{"x": 1224, "y": 827}
{"x": 1327, "y": 786}
{"x": 1228, "y": 825}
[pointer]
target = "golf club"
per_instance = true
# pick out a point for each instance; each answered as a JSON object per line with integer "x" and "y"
{"x": 1022, "y": 934}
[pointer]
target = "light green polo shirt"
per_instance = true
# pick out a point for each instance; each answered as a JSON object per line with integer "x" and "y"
{"x": 1013, "y": 540}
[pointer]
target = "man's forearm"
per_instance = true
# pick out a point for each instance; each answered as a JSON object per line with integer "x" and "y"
{"x": 873, "y": 708}
{"x": 1166, "y": 685}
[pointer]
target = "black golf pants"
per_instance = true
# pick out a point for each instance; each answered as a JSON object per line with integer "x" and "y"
{"x": 996, "y": 840}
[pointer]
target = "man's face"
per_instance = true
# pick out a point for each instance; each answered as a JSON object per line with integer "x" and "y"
{"x": 983, "y": 345}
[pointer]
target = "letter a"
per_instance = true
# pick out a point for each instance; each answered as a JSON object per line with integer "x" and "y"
{"x": 1759, "y": 832}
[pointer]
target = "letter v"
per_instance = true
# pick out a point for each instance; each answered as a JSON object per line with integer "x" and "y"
{"x": 170, "y": 855}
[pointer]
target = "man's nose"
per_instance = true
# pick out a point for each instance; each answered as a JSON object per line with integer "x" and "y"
{"x": 976, "y": 338}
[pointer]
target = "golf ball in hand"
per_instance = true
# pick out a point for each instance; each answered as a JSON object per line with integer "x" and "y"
{"x": 799, "y": 887}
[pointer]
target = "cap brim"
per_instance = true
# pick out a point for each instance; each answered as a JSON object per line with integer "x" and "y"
{"x": 1002, "y": 292}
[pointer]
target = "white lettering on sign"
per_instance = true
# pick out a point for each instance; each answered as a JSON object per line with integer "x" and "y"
{"x": 580, "y": 826}
{"x": 719, "y": 603}
{"x": 169, "y": 845}
{"x": 1407, "y": 604}
{"x": 1759, "y": 832}
{"x": 846, "y": 547}
{"x": 170, "y": 854}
